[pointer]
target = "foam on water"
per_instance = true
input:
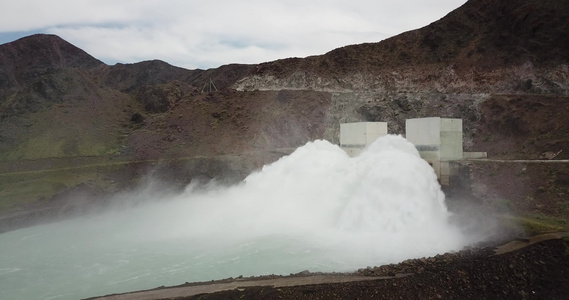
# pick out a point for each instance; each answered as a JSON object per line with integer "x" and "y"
{"x": 316, "y": 209}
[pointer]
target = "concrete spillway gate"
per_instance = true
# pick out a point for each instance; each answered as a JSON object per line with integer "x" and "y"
{"x": 438, "y": 140}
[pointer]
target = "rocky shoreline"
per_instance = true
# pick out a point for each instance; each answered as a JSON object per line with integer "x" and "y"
{"x": 539, "y": 269}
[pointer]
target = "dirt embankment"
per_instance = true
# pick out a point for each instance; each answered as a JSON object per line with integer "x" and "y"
{"x": 523, "y": 126}
{"x": 522, "y": 188}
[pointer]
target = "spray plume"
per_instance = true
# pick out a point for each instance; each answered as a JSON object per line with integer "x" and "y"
{"x": 316, "y": 209}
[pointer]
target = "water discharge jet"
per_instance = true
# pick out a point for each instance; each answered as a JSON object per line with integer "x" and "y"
{"x": 316, "y": 209}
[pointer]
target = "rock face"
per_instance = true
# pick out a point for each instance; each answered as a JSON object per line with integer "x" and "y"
{"x": 482, "y": 47}
{"x": 501, "y": 66}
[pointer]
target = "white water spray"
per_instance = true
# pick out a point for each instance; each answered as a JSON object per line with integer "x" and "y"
{"x": 316, "y": 209}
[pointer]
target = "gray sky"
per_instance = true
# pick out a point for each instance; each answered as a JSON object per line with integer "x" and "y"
{"x": 209, "y": 33}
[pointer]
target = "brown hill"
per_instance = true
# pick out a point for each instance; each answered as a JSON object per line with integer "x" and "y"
{"x": 25, "y": 60}
{"x": 501, "y": 66}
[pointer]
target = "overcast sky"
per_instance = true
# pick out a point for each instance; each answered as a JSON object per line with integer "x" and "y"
{"x": 209, "y": 33}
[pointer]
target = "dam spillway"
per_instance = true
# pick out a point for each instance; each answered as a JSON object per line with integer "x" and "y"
{"x": 439, "y": 141}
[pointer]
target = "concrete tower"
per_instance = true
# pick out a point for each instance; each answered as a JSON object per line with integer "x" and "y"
{"x": 354, "y": 137}
{"x": 438, "y": 140}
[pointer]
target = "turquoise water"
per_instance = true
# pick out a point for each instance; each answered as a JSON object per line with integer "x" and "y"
{"x": 69, "y": 260}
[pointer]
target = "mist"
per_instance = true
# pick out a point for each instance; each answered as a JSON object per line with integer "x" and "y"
{"x": 316, "y": 209}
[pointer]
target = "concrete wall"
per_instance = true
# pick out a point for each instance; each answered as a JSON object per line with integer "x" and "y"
{"x": 354, "y": 137}
{"x": 425, "y": 134}
{"x": 438, "y": 140}
{"x": 451, "y": 139}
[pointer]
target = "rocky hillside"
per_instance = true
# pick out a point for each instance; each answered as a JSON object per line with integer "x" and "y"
{"x": 455, "y": 67}
{"x": 501, "y": 66}
{"x": 483, "y": 46}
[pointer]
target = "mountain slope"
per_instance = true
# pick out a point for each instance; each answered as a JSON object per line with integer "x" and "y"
{"x": 475, "y": 48}
{"x": 501, "y": 66}
{"x": 483, "y": 47}
{"x": 24, "y": 60}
